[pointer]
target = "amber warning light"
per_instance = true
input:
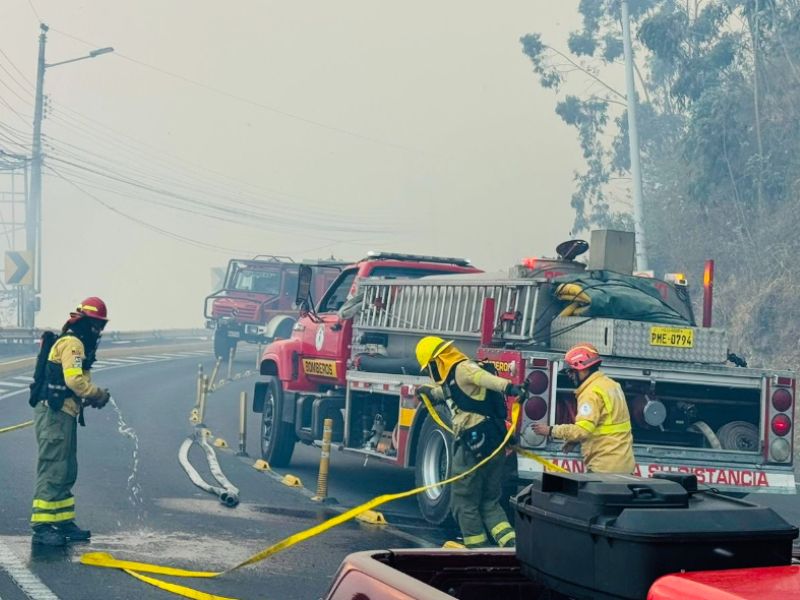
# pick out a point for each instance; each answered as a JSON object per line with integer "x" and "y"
{"x": 708, "y": 292}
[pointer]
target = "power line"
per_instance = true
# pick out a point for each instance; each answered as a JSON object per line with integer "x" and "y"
{"x": 268, "y": 218}
{"x": 35, "y": 12}
{"x": 84, "y": 125}
{"x": 150, "y": 226}
{"x": 243, "y": 99}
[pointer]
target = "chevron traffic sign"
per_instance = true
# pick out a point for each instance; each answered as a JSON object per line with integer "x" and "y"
{"x": 18, "y": 268}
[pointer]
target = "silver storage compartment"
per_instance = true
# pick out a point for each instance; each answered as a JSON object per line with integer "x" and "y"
{"x": 640, "y": 339}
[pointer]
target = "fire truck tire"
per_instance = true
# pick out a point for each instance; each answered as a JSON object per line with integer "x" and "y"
{"x": 433, "y": 463}
{"x": 223, "y": 344}
{"x": 277, "y": 437}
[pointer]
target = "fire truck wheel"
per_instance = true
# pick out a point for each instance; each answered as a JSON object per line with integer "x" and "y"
{"x": 433, "y": 462}
{"x": 223, "y": 344}
{"x": 277, "y": 437}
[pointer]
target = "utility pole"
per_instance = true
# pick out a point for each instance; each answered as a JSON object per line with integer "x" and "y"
{"x": 33, "y": 217}
{"x": 633, "y": 140}
{"x": 33, "y": 210}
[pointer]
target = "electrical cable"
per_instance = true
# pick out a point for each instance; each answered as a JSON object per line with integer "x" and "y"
{"x": 174, "y": 236}
{"x": 242, "y": 99}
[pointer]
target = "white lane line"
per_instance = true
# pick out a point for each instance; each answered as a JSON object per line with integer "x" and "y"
{"x": 118, "y": 360}
{"x": 24, "y": 378}
{"x": 178, "y": 355}
{"x": 26, "y": 581}
{"x": 12, "y": 384}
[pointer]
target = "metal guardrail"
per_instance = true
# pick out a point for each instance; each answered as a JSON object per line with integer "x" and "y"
{"x": 20, "y": 336}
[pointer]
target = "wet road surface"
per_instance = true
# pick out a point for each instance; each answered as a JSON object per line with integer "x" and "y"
{"x": 169, "y": 520}
{"x": 159, "y": 516}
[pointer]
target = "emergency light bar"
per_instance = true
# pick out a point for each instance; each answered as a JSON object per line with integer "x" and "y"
{"x": 461, "y": 262}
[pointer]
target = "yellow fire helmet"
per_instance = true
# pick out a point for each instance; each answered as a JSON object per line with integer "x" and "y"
{"x": 443, "y": 354}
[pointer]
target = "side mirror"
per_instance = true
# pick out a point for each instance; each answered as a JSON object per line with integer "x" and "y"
{"x": 304, "y": 276}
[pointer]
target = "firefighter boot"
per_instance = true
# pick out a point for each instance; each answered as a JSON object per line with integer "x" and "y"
{"x": 47, "y": 535}
{"x": 72, "y": 532}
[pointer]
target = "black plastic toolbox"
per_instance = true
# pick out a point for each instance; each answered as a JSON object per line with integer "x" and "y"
{"x": 611, "y": 536}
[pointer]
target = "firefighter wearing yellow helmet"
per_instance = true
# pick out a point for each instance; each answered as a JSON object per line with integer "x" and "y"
{"x": 476, "y": 401}
{"x": 602, "y": 424}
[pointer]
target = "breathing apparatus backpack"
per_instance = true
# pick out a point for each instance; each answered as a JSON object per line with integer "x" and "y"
{"x": 481, "y": 439}
{"x": 39, "y": 385}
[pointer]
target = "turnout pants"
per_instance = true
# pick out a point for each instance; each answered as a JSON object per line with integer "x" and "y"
{"x": 57, "y": 466}
{"x": 475, "y": 501}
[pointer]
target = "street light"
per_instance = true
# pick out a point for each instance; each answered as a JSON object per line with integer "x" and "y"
{"x": 33, "y": 216}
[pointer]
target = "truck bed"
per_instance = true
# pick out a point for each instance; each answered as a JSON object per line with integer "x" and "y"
{"x": 434, "y": 574}
{"x": 494, "y": 574}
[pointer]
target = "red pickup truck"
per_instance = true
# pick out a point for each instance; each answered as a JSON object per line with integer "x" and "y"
{"x": 433, "y": 574}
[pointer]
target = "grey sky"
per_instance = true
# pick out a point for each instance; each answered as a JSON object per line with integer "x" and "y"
{"x": 464, "y": 155}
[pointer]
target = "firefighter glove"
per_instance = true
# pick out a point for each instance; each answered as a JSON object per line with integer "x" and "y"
{"x": 100, "y": 402}
{"x": 513, "y": 390}
{"x": 427, "y": 390}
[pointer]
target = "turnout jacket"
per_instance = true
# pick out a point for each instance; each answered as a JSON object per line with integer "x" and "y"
{"x": 602, "y": 426}
{"x": 473, "y": 381}
{"x": 69, "y": 353}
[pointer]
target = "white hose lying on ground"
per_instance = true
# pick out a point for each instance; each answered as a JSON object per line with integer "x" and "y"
{"x": 228, "y": 494}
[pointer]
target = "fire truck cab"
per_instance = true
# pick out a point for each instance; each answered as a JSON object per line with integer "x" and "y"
{"x": 256, "y": 302}
{"x": 305, "y": 379}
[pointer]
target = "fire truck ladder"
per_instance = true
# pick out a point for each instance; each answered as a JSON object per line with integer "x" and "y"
{"x": 450, "y": 309}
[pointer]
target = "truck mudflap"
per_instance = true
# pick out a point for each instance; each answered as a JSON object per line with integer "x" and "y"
{"x": 725, "y": 478}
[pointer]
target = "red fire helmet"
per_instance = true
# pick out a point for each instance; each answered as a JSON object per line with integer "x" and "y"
{"x": 94, "y": 308}
{"x": 581, "y": 357}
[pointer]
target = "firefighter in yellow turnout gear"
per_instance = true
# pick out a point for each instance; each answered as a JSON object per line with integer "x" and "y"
{"x": 602, "y": 424}
{"x": 476, "y": 401}
{"x": 59, "y": 401}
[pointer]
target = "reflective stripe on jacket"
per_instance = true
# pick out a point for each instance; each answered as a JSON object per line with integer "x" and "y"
{"x": 602, "y": 426}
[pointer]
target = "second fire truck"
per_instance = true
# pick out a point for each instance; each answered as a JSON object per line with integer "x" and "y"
{"x": 351, "y": 358}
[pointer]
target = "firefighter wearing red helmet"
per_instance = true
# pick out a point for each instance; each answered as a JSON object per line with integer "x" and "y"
{"x": 65, "y": 390}
{"x": 602, "y": 423}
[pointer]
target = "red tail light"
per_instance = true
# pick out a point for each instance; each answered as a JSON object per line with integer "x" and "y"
{"x": 781, "y": 425}
{"x": 538, "y": 382}
{"x": 782, "y": 399}
{"x": 535, "y": 408}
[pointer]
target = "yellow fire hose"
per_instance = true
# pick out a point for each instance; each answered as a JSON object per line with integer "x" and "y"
{"x": 15, "y": 427}
{"x": 548, "y": 465}
{"x": 136, "y": 569}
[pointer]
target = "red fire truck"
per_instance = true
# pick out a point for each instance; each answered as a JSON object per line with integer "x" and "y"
{"x": 256, "y": 302}
{"x": 692, "y": 411}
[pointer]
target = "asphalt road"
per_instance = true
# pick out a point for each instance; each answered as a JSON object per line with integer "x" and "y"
{"x": 159, "y": 516}
{"x": 169, "y": 520}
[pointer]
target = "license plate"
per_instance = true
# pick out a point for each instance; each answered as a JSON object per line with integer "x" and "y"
{"x": 672, "y": 337}
{"x": 320, "y": 368}
{"x": 233, "y": 334}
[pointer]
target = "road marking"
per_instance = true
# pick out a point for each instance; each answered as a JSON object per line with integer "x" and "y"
{"x": 112, "y": 363}
{"x": 23, "y": 577}
{"x": 117, "y": 360}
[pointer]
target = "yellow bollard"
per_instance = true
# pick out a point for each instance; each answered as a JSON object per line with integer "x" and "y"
{"x": 258, "y": 358}
{"x": 199, "y": 386}
{"x": 214, "y": 374}
{"x": 230, "y": 364}
{"x": 242, "y": 424}
{"x": 203, "y": 397}
{"x": 324, "y": 462}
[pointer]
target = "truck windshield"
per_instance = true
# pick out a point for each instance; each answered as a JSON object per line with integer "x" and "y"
{"x": 257, "y": 281}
